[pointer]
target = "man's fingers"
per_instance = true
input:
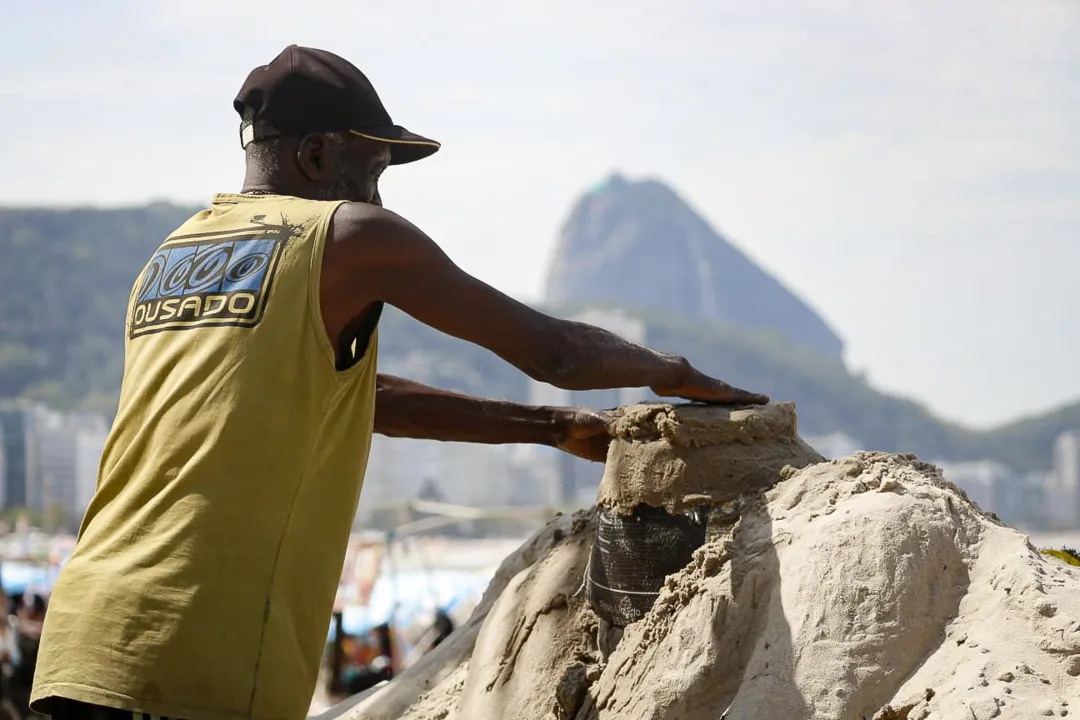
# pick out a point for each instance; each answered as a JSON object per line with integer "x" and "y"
{"x": 588, "y": 423}
{"x": 738, "y": 396}
{"x": 728, "y": 396}
{"x": 592, "y": 448}
{"x": 750, "y": 398}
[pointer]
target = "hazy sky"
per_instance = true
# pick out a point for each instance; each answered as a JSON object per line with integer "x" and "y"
{"x": 912, "y": 169}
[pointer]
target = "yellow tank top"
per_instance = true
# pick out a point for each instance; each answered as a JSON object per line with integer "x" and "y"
{"x": 206, "y": 567}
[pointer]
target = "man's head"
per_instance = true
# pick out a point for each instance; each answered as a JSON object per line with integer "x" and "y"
{"x": 319, "y": 166}
{"x": 313, "y": 126}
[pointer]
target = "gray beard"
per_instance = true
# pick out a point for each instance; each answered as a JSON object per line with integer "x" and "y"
{"x": 339, "y": 189}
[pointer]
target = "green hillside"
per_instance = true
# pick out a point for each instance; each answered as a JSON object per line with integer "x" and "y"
{"x": 1025, "y": 444}
{"x": 66, "y": 274}
{"x": 64, "y": 283}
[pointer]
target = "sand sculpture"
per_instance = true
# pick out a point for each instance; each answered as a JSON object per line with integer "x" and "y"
{"x": 867, "y": 587}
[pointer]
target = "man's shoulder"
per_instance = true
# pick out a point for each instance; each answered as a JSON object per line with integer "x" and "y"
{"x": 358, "y": 217}
{"x": 356, "y": 238}
{"x": 363, "y": 228}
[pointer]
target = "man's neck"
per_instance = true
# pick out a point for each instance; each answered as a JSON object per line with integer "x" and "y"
{"x": 257, "y": 182}
{"x": 257, "y": 186}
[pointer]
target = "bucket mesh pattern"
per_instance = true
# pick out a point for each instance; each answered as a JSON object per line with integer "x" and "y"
{"x": 631, "y": 556}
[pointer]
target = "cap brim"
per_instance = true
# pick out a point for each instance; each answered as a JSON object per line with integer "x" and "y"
{"x": 405, "y": 146}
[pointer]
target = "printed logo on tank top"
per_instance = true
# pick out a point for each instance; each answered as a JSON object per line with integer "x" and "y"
{"x": 209, "y": 279}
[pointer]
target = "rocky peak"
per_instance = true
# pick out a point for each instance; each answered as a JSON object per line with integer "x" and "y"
{"x": 638, "y": 244}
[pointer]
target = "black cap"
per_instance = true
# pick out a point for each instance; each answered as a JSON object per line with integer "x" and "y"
{"x": 304, "y": 90}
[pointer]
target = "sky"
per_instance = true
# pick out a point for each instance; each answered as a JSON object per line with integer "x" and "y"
{"x": 910, "y": 169}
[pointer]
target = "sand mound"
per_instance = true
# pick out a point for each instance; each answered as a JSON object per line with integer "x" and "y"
{"x": 862, "y": 588}
{"x": 674, "y": 456}
{"x": 853, "y": 586}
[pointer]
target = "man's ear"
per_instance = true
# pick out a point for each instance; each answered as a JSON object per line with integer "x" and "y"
{"x": 311, "y": 156}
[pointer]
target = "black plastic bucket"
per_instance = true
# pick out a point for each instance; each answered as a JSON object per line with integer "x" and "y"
{"x": 631, "y": 556}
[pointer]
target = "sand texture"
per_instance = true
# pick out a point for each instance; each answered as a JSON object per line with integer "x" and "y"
{"x": 422, "y": 690}
{"x": 867, "y": 587}
{"x": 674, "y": 456}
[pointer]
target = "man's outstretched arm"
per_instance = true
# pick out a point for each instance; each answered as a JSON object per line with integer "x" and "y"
{"x": 375, "y": 255}
{"x": 408, "y": 409}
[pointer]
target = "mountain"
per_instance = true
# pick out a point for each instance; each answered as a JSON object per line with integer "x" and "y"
{"x": 66, "y": 274}
{"x": 639, "y": 245}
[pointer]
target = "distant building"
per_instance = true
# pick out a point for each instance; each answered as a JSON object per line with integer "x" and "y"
{"x": 997, "y": 488}
{"x": 51, "y": 484}
{"x": 470, "y": 474}
{"x": 50, "y": 460}
{"x": 834, "y": 446}
{"x": 536, "y": 481}
{"x": 981, "y": 480}
{"x": 460, "y": 473}
{"x": 89, "y": 446}
{"x": 1037, "y": 493}
{"x": 57, "y": 487}
{"x": 579, "y": 478}
{"x": 16, "y": 426}
{"x": 397, "y": 469}
{"x": 1063, "y": 487}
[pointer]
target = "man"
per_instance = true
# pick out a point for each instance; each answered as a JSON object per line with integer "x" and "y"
{"x": 203, "y": 580}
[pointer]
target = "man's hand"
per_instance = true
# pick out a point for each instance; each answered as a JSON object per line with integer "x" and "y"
{"x": 701, "y": 387}
{"x": 586, "y": 433}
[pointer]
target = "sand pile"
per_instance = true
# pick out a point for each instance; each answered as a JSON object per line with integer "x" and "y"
{"x": 676, "y": 456}
{"x": 867, "y": 587}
